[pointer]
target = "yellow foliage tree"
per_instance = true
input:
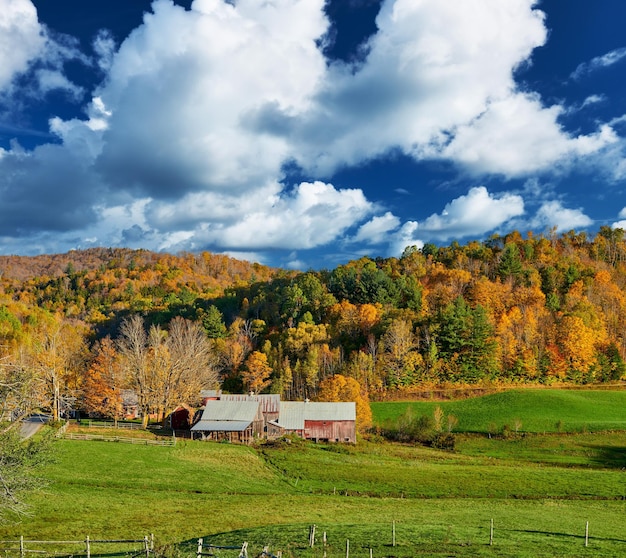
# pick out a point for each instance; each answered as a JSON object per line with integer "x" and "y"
{"x": 341, "y": 388}
{"x": 256, "y": 376}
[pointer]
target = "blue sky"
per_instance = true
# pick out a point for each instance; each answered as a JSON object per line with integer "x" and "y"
{"x": 303, "y": 134}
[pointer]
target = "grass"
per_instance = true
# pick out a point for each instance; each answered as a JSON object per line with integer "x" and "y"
{"x": 540, "y": 490}
{"x": 537, "y": 410}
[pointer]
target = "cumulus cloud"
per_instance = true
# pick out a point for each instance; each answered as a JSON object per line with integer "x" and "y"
{"x": 517, "y": 136}
{"x": 432, "y": 66}
{"x": 553, "y": 214}
{"x": 185, "y": 142}
{"x": 474, "y": 214}
{"x": 22, "y": 39}
{"x": 376, "y": 230}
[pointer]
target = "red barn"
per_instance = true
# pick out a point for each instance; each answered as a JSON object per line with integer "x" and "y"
{"x": 332, "y": 422}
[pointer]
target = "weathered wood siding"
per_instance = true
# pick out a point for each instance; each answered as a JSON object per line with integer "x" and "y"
{"x": 331, "y": 430}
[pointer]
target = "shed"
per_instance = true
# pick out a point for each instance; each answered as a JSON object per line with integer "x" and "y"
{"x": 181, "y": 417}
{"x": 236, "y": 421}
{"x": 334, "y": 422}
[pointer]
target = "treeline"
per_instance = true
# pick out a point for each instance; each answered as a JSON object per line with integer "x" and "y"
{"x": 512, "y": 309}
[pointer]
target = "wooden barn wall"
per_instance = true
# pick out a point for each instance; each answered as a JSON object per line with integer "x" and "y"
{"x": 334, "y": 431}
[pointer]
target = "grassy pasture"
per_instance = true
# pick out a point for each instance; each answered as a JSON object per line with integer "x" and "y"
{"x": 539, "y": 489}
{"x": 538, "y": 410}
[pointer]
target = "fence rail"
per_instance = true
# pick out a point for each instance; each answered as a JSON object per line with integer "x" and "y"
{"x": 122, "y": 439}
{"x": 22, "y": 550}
{"x": 111, "y": 424}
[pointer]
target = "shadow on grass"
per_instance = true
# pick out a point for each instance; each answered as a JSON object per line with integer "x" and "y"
{"x": 572, "y": 536}
{"x": 611, "y": 457}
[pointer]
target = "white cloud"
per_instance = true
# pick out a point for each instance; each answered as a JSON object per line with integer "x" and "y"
{"x": 599, "y": 62}
{"x": 516, "y": 136}
{"x": 553, "y": 214}
{"x": 21, "y": 38}
{"x": 472, "y": 215}
{"x": 406, "y": 236}
{"x": 50, "y": 80}
{"x": 314, "y": 214}
{"x": 184, "y": 143}
{"x": 376, "y": 230}
{"x": 432, "y": 66}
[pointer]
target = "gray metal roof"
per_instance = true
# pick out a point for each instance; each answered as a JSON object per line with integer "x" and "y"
{"x": 221, "y": 426}
{"x": 293, "y": 414}
{"x": 270, "y": 402}
{"x": 230, "y": 410}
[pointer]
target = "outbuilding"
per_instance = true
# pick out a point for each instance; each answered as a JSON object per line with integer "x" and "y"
{"x": 318, "y": 421}
{"x": 235, "y": 421}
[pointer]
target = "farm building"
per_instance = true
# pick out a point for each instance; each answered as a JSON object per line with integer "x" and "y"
{"x": 269, "y": 403}
{"x": 181, "y": 417}
{"x": 333, "y": 422}
{"x": 235, "y": 421}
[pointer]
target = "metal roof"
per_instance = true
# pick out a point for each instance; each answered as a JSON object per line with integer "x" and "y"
{"x": 293, "y": 414}
{"x": 221, "y": 426}
{"x": 230, "y": 410}
{"x": 270, "y": 402}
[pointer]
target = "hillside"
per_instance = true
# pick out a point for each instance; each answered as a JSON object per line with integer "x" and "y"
{"x": 514, "y": 310}
{"x": 439, "y": 503}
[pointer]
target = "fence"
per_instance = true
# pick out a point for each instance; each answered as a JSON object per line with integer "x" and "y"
{"x": 243, "y": 549}
{"x": 21, "y": 549}
{"x": 110, "y": 424}
{"x": 122, "y": 439}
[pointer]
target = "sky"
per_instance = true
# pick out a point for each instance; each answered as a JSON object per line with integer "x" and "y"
{"x": 306, "y": 133}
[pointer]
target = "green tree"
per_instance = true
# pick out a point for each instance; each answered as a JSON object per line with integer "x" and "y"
{"x": 466, "y": 340}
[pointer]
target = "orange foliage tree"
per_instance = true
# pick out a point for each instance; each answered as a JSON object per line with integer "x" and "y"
{"x": 341, "y": 388}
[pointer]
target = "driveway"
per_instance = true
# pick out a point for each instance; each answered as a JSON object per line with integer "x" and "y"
{"x": 32, "y": 424}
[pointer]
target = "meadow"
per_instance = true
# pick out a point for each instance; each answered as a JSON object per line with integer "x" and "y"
{"x": 539, "y": 489}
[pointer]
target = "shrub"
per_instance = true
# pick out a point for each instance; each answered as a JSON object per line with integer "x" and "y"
{"x": 443, "y": 441}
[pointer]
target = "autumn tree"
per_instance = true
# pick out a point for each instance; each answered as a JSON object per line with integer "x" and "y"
{"x": 166, "y": 368}
{"x": 102, "y": 394}
{"x": 256, "y": 374}
{"x": 341, "y": 388}
{"x": 58, "y": 352}
{"x": 132, "y": 345}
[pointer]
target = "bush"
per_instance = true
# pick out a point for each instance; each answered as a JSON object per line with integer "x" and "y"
{"x": 443, "y": 441}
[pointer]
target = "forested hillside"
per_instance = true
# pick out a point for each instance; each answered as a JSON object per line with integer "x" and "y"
{"x": 546, "y": 309}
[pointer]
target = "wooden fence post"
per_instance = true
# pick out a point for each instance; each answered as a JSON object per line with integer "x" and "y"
{"x": 146, "y": 544}
{"x": 347, "y": 548}
{"x": 587, "y": 534}
{"x": 88, "y": 547}
{"x": 491, "y": 533}
{"x": 22, "y": 552}
{"x": 199, "y": 552}
{"x": 393, "y": 533}
{"x": 152, "y": 541}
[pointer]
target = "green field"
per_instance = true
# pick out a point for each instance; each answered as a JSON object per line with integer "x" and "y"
{"x": 540, "y": 490}
{"x": 538, "y": 410}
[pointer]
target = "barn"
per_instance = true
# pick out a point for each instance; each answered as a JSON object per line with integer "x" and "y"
{"x": 332, "y": 422}
{"x": 235, "y": 421}
{"x": 269, "y": 402}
